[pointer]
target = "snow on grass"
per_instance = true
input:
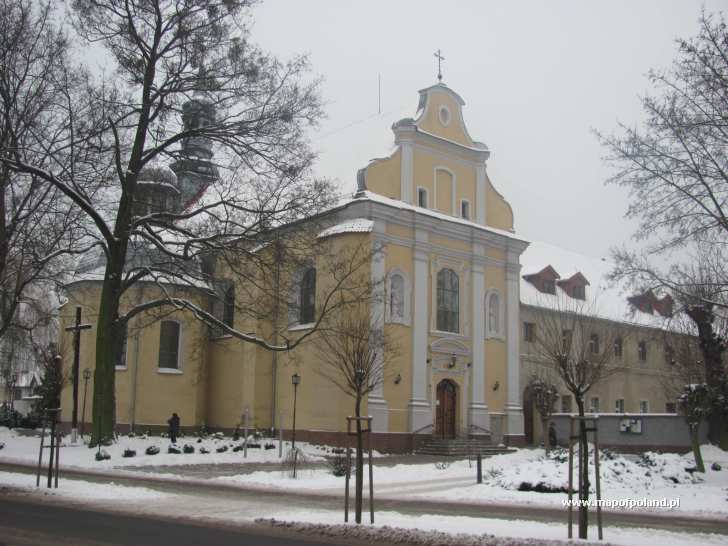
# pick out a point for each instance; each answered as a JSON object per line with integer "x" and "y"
{"x": 78, "y": 489}
{"x": 21, "y": 447}
{"x": 431, "y": 529}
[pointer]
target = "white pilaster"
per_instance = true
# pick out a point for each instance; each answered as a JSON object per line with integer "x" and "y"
{"x": 480, "y": 195}
{"x": 419, "y": 407}
{"x": 406, "y": 174}
{"x": 478, "y": 409}
{"x": 513, "y": 409}
{"x": 376, "y": 402}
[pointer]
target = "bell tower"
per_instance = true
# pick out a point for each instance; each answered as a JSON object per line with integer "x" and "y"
{"x": 194, "y": 169}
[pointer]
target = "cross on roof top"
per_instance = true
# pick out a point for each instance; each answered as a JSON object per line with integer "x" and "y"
{"x": 440, "y": 58}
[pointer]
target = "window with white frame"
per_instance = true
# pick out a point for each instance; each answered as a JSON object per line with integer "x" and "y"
{"x": 422, "y": 198}
{"x": 594, "y": 404}
{"x": 619, "y": 405}
{"x": 169, "y": 336}
{"x": 448, "y": 301}
{"x": 644, "y": 406}
{"x": 494, "y": 318}
{"x": 565, "y": 403}
{"x": 228, "y": 312}
{"x": 465, "y": 209}
{"x": 397, "y": 308}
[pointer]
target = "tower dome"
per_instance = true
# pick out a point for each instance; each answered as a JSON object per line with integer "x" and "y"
{"x": 157, "y": 190}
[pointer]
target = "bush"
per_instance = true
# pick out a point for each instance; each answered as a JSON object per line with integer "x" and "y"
{"x": 442, "y": 465}
{"x": 254, "y": 446}
{"x": 187, "y": 448}
{"x": 2, "y": 445}
{"x": 338, "y": 450}
{"x": 238, "y": 448}
{"x": 222, "y": 449}
{"x": 541, "y": 488}
{"x": 129, "y": 453}
{"x": 204, "y": 450}
{"x": 337, "y": 465}
{"x": 152, "y": 450}
{"x": 102, "y": 455}
{"x": 270, "y": 446}
{"x": 173, "y": 449}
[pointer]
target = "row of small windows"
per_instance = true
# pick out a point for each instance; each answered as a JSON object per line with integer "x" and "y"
{"x": 594, "y": 406}
{"x": 424, "y": 202}
{"x": 529, "y": 336}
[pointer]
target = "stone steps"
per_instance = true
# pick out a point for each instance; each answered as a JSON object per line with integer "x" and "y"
{"x": 460, "y": 447}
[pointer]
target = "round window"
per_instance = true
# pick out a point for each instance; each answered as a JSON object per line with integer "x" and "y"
{"x": 444, "y": 115}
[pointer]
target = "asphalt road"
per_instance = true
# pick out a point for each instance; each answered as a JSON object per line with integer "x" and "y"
{"x": 26, "y": 523}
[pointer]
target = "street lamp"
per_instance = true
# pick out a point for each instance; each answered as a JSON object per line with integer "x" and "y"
{"x": 86, "y": 377}
{"x": 13, "y": 382}
{"x": 295, "y": 380}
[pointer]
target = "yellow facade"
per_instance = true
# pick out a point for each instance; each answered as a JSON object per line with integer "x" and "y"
{"x": 464, "y": 228}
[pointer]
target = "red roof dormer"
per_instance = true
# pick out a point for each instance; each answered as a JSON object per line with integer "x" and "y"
{"x": 649, "y": 303}
{"x": 575, "y": 286}
{"x": 544, "y": 280}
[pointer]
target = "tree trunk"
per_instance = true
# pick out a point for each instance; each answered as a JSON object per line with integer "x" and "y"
{"x": 695, "y": 441}
{"x": 359, "y": 460}
{"x": 584, "y": 475}
{"x": 109, "y": 340}
{"x": 545, "y": 434}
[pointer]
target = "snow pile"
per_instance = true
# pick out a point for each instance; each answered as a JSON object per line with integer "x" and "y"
{"x": 399, "y": 535}
{"x": 549, "y": 473}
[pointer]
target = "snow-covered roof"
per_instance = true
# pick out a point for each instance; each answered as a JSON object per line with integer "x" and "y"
{"x": 604, "y": 298}
{"x": 358, "y": 225}
{"x": 25, "y": 380}
{"x": 371, "y": 196}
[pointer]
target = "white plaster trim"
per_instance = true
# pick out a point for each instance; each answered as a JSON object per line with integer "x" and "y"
{"x": 481, "y": 193}
{"x": 296, "y": 327}
{"x": 169, "y": 371}
{"x": 407, "y": 298}
{"x": 419, "y": 330}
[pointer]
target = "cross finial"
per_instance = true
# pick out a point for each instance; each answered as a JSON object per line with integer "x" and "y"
{"x": 440, "y": 58}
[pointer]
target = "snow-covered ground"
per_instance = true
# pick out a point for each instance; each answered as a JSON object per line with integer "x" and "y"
{"x": 20, "y": 447}
{"x": 655, "y": 477}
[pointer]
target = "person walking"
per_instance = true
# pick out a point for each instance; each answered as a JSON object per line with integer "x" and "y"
{"x": 173, "y": 423}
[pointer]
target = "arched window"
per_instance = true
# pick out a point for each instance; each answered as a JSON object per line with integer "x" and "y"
{"x": 494, "y": 314}
{"x": 396, "y": 298}
{"x": 228, "y": 312}
{"x": 169, "y": 331}
{"x": 307, "y": 299}
{"x": 448, "y": 301}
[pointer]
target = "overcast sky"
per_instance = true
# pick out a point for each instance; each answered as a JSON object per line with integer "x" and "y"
{"x": 536, "y": 77}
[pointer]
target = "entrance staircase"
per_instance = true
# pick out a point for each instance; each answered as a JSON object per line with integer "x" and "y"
{"x": 460, "y": 447}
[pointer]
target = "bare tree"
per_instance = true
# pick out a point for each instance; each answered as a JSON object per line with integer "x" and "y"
{"x": 576, "y": 343}
{"x": 675, "y": 165}
{"x": 38, "y": 96}
{"x": 189, "y": 82}
{"x": 544, "y": 394}
{"x": 356, "y": 356}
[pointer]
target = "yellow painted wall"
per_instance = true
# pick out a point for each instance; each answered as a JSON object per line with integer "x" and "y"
{"x": 383, "y": 176}
{"x": 431, "y": 123}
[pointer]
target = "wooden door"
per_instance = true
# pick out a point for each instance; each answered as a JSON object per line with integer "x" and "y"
{"x": 446, "y": 409}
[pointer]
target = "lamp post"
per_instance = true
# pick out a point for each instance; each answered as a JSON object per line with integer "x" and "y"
{"x": 295, "y": 380}
{"x": 86, "y": 377}
{"x": 13, "y": 382}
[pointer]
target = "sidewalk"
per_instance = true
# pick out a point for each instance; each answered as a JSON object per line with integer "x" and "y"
{"x": 214, "y": 498}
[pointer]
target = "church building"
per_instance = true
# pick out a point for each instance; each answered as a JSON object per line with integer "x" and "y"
{"x": 450, "y": 265}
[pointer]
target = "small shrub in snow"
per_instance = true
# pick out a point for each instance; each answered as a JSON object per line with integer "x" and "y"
{"x": 714, "y": 466}
{"x": 152, "y": 450}
{"x": 222, "y": 449}
{"x": 337, "y": 465}
{"x": 270, "y": 446}
{"x": 2, "y": 445}
{"x": 204, "y": 450}
{"x": 128, "y": 453}
{"x": 102, "y": 455}
{"x": 107, "y": 442}
{"x": 493, "y": 473}
{"x": 442, "y": 465}
{"x": 130, "y": 435}
{"x": 187, "y": 448}
{"x": 254, "y": 445}
{"x": 218, "y": 436}
{"x": 338, "y": 450}
{"x": 541, "y": 487}
{"x": 174, "y": 449}
{"x": 238, "y": 448}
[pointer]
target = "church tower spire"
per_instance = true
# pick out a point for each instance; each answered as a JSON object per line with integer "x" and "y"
{"x": 194, "y": 169}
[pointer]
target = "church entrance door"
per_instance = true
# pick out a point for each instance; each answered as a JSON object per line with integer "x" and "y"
{"x": 446, "y": 409}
